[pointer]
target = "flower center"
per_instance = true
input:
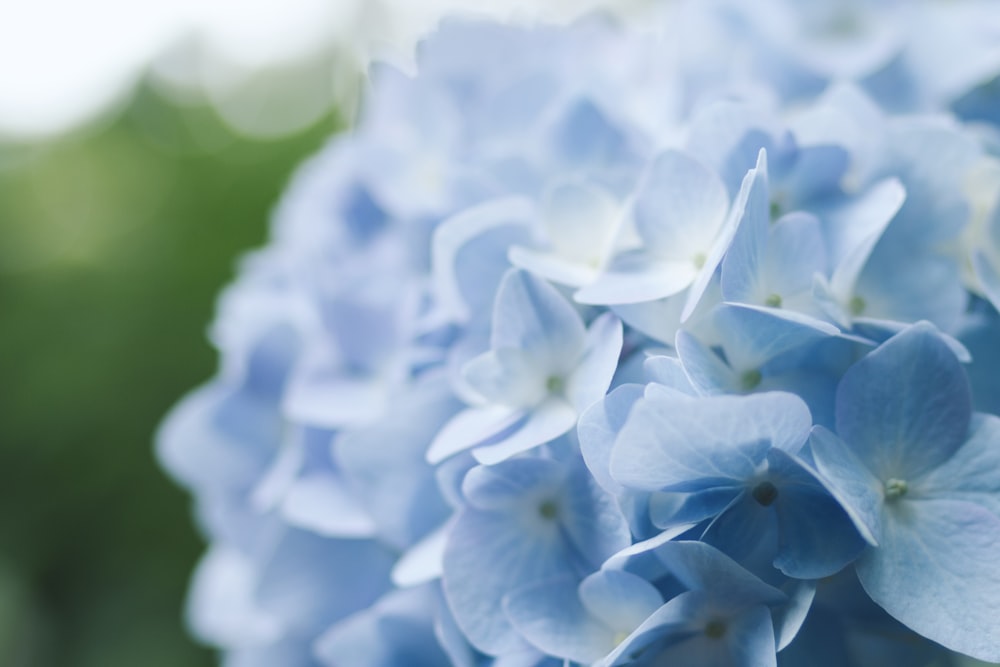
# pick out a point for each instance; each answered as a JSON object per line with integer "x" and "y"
{"x": 750, "y": 379}
{"x": 548, "y": 510}
{"x": 774, "y": 301}
{"x": 895, "y": 488}
{"x": 765, "y": 493}
{"x": 715, "y": 629}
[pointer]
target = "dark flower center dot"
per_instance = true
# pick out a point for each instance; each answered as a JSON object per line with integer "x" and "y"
{"x": 548, "y": 510}
{"x": 765, "y": 493}
{"x": 715, "y": 629}
{"x": 555, "y": 384}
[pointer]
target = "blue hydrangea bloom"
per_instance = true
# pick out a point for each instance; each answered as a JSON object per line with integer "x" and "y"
{"x": 591, "y": 345}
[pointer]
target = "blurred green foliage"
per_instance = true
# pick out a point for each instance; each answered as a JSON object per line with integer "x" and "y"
{"x": 113, "y": 246}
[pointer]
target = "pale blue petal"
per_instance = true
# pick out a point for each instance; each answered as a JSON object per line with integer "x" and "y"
{"x": 635, "y": 277}
{"x": 503, "y": 487}
{"x": 693, "y": 508}
{"x": 674, "y": 620}
{"x": 680, "y": 207}
{"x": 552, "y": 267}
{"x": 872, "y": 331}
{"x": 488, "y": 555}
{"x": 753, "y": 336}
{"x": 659, "y": 319}
{"x": 937, "y": 571}
{"x": 295, "y": 582}
{"x": 395, "y": 632}
{"x": 676, "y": 442}
{"x": 589, "y": 382}
{"x": 599, "y": 426}
{"x": 854, "y": 228}
{"x": 971, "y": 473}
{"x": 748, "y": 533}
{"x": 705, "y": 370}
{"x": 789, "y": 617}
{"x": 816, "y": 537}
{"x": 473, "y": 244}
{"x": 796, "y": 252}
{"x": 622, "y": 601}
{"x": 324, "y": 505}
{"x": 545, "y": 422}
{"x": 470, "y": 427}
{"x": 750, "y": 639}
{"x": 328, "y": 398}
{"x": 386, "y": 467}
{"x": 702, "y": 567}
{"x": 815, "y": 173}
{"x": 581, "y": 220}
{"x": 506, "y": 376}
{"x": 905, "y": 408}
{"x": 591, "y": 520}
{"x": 721, "y": 245}
{"x": 907, "y": 285}
{"x": 669, "y": 372}
{"x": 741, "y": 268}
{"x": 849, "y": 481}
{"x": 531, "y": 315}
{"x": 424, "y": 561}
{"x": 551, "y": 617}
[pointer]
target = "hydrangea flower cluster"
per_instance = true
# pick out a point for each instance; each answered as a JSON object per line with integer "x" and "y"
{"x": 597, "y": 347}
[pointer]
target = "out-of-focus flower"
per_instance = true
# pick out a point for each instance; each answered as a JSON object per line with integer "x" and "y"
{"x": 611, "y": 346}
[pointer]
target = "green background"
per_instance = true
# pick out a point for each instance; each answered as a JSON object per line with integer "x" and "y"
{"x": 113, "y": 245}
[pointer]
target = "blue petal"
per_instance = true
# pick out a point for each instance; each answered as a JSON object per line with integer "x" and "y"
{"x": 849, "y": 481}
{"x": 741, "y": 268}
{"x": 680, "y": 443}
{"x": 590, "y": 518}
{"x": 636, "y": 277}
{"x": 589, "y": 382}
{"x": 551, "y": 617}
{"x": 796, "y": 251}
{"x": 854, "y": 228}
{"x": 669, "y": 372}
{"x": 470, "y": 427}
{"x": 753, "y": 336}
{"x": 680, "y": 207}
{"x": 971, "y": 473}
{"x": 937, "y": 571}
{"x": 598, "y": 427}
{"x": 702, "y": 567}
{"x": 488, "y": 555}
{"x": 789, "y": 617}
{"x": 302, "y": 570}
{"x": 905, "y": 408}
{"x": 514, "y": 482}
{"x": 622, "y": 601}
{"x": 469, "y": 252}
{"x": 545, "y": 422}
{"x": 705, "y": 370}
{"x": 816, "y": 538}
{"x": 530, "y": 315}
{"x": 722, "y": 242}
